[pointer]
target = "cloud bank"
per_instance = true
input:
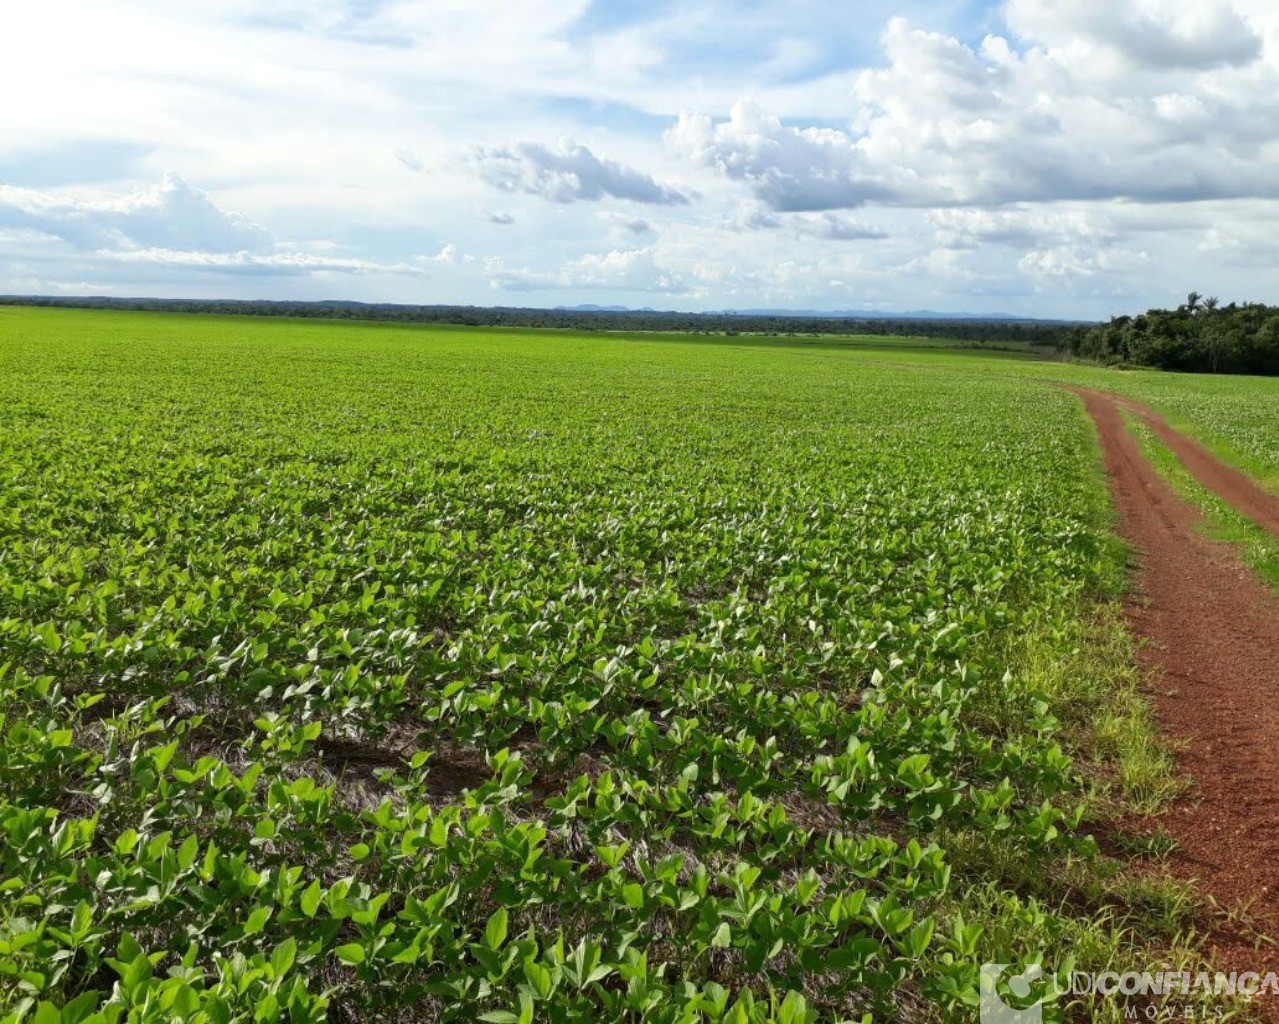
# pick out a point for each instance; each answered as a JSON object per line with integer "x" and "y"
{"x": 1045, "y": 157}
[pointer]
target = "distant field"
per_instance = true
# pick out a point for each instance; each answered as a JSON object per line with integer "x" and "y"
{"x": 862, "y": 342}
{"x": 514, "y": 675}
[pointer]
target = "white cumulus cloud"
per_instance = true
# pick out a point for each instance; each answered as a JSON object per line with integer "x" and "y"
{"x": 1048, "y": 120}
{"x": 1161, "y": 35}
{"x": 625, "y": 270}
{"x": 566, "y": 174}
{"x": 170, "y": 214}
{"x": 790, "y": 169}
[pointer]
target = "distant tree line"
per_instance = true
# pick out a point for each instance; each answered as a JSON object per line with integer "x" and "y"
{"x": 1040, "y": 333}
{"x": 1199, "y": 336}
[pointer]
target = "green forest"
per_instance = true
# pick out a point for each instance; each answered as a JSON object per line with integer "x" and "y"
{"x": 1199, "y": 336}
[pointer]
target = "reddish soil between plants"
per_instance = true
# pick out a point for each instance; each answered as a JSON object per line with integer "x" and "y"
{"x": 1211, "y": 660}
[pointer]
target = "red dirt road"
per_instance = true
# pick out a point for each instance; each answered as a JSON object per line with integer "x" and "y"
{"x": 1226, "y": 482}
{"x": 1212, "y": 664}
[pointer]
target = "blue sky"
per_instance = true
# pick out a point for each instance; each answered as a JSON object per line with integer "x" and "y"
{"x": 1043, "y": 157}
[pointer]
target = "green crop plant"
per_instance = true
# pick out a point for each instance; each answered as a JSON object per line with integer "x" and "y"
{"x": 430, "y": 673}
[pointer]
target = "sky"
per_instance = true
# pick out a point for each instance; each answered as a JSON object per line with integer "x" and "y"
{"x": 1051, "y": 158}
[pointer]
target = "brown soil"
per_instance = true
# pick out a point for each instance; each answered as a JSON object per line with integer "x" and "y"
{"x": 1211, "y": 659}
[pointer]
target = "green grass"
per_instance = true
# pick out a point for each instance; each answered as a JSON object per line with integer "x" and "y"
{"x": 401, "y": 673}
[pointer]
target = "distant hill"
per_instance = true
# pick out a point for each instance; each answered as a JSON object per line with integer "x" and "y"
{"x": 829, "y": 314}
{"x": 871, "y": 314}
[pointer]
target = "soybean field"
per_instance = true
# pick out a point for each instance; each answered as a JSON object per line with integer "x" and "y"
{"x": 367, "y": 672}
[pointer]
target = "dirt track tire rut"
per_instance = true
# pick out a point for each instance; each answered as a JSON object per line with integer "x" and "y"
{"x": 1210, "y": 656}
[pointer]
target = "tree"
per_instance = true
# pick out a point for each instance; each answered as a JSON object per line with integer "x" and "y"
{"x": 1200, "y": 336}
